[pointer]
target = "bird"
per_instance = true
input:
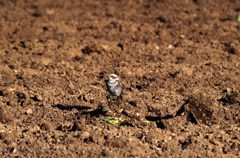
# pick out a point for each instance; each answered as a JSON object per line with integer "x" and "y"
{"x": 114, "y": 87}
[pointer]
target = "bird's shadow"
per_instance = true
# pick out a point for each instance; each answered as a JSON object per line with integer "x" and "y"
{"x": 151, "y": 118}
{"x": 159, "y": 119}
{"x": 67, "y": 107}
{"x": 95, "y": 112}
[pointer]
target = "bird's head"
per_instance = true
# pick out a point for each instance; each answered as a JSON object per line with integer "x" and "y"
{"x": 112, "y": 78}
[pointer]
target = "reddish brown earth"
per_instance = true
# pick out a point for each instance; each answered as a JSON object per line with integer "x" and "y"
{"x": 177, "y": 60}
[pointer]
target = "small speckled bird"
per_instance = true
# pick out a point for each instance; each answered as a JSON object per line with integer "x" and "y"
{"x": 114, "y": 87}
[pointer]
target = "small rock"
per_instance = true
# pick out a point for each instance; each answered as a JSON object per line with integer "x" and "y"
{"x": 71, "y": 86}
{"x": 14, "y": 150}
{"x": 2, "y": 135}
{"x": 38, "y": 98}
{"x": 182, "y": 36}
{"x": 85, "y": 135}
{"x": 88, "y": 98}
{"x": 94, "y": 48}
{"x": 4, "y": 92}
{"x": 29, "y": 112}
{"x": 232, "y": 98}
{"x": 77, "y": 127}
{"x": 45, "y": 127}
{"x": 34, "y": 129}
{"x": 170, "y": 46}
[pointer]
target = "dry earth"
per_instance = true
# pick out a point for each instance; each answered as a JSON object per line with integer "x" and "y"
{"x": 178, "y": 62}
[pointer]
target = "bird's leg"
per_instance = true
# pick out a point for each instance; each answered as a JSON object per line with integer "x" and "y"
{"x": 109, "y": 101}
{"x": 119, "y": 98}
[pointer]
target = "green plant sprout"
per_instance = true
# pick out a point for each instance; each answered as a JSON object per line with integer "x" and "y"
{"x": 238, "y": 17}
{"x": 133, "y": 111}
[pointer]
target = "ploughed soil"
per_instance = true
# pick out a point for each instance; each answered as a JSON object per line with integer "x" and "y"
{"x": 178, "y": 62}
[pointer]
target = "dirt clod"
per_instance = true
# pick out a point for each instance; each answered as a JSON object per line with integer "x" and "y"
{"x": 45, "y": 126}
{"x": 200, "y": 109}
{"x": 232, "y": 98}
